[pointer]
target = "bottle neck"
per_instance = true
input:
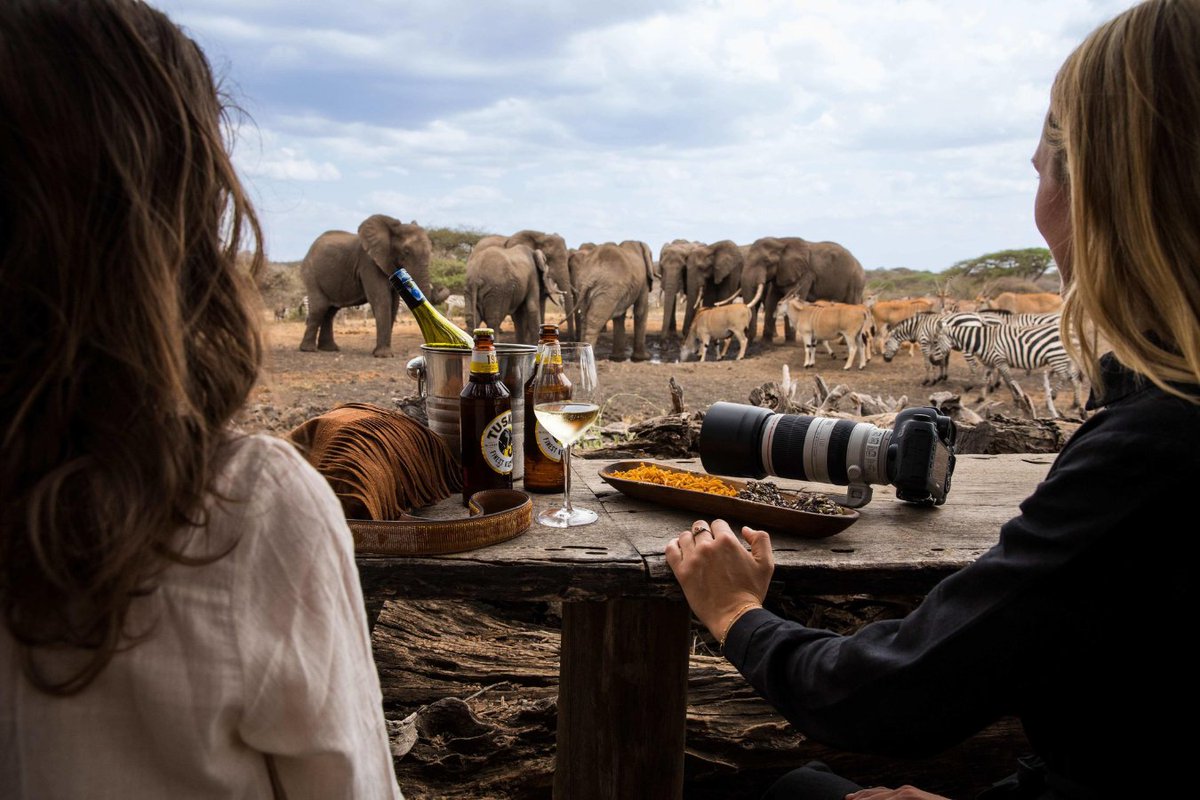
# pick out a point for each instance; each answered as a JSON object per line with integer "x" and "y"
{"x": 408, "y": 290}
{"x": 484, "y": 363}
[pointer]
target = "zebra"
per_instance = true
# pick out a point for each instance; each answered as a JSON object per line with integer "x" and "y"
{"x": 999, "y": 316}
{"x": 1001, "y": 347}
{"x": 922, "y": 329}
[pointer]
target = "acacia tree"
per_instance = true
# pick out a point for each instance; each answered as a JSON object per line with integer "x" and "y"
{"x": 1029, "y": 264}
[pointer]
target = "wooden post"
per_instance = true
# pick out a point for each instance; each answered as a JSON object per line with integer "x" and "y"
{"x": 622, "y": 700}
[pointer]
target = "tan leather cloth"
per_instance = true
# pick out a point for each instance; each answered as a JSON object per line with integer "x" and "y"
{"x": 382, "y": 464}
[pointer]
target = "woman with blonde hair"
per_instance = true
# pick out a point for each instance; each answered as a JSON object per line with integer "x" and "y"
{"x": 180, "y": 613}
{"x": 1075, "y": 621}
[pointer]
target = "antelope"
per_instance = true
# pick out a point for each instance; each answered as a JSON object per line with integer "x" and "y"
{"x": 726, "y": 322}
{"x": 814, "y": 322}
{"x": 888, "y": 313}
{"x": 1014, "y": 303}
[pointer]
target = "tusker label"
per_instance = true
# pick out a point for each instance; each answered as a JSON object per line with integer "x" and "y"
{"x": 496, "y": 443}
{"x": 550, "y": 447}
{"x": 485, "y": 362}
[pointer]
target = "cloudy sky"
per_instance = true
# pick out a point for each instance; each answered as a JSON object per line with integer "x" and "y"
{"x": 899, "y": 128}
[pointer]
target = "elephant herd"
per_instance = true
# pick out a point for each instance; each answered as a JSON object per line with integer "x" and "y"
{"x": 513, "y": 276}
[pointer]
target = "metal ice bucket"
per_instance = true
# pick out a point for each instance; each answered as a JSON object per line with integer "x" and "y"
{"x": 441, "y": 373}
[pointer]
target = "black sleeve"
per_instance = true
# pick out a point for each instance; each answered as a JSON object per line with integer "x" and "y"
{"x": 971, "y": 651}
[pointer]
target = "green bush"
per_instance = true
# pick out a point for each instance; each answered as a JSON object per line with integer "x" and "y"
{"x": 891, "y": 284}
{"x": 449, "y": 272}
{"x": 454, "y": 243}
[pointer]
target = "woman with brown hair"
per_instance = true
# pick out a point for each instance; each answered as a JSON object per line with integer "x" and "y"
{"x": 1075, "y": 621}
{"x": 180, "y": 613}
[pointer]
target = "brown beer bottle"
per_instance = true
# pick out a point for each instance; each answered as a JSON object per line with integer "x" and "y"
{"x": 543, "y": 453}
{"x": 485, "y": 422}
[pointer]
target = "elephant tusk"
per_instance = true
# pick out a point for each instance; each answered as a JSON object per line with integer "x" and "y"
{"x": 757, "y": 296}
{"x": 729, "y": 299}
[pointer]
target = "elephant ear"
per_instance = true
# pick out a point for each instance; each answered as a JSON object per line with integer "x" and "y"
{"x": 795, "y": 260}
{"x": 728, "y": 258}
{"x": 648, "y": 259}
{"x": 375, "y": 233}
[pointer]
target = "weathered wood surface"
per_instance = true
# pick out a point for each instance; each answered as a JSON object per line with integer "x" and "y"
{"x": 892, "y": 548}
{"x": 478, "y": 686}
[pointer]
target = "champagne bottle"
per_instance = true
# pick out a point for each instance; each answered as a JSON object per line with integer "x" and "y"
{"x": 543, "y": 453}
{"x": 435, "y": 328}
{"x": 485, "y": 420}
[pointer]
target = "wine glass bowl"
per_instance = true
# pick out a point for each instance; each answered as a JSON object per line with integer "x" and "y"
{"x": 566, "y": 404}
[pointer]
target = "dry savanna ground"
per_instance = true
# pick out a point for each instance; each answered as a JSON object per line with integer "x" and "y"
{"x": 299, "y": 385}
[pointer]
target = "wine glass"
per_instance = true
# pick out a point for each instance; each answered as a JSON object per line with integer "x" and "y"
{"x": 565, "y": 403}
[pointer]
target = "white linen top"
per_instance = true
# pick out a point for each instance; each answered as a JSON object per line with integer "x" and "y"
{"x": 257, "y": 679}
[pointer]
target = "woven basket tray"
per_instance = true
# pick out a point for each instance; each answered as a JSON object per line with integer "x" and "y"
{"x": 497, "y": 515}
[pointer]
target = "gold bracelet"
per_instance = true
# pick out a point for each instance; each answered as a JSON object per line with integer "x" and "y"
{"x": 736, "y": 616}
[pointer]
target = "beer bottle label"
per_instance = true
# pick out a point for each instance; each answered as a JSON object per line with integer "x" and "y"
{"x": 550, "y": 447}
{"x": 496, "y": 443}
{"x": 484, "y": 362}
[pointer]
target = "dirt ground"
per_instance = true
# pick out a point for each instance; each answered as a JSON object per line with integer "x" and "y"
{"x": 299, "y": 385}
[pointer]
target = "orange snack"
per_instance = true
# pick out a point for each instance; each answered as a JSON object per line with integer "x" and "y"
{"x": 681, "y": 480}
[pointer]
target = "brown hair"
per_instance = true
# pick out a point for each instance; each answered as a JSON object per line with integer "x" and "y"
{"x": 130, "y": 336}
{"x": 1123, "y": 123}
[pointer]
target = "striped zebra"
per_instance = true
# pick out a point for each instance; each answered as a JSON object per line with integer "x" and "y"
{"x": 920, "y": 328}
{"x": 1007, "y": 347}
{"x": 999, "y": 316}
{"x": 923, "y": 328}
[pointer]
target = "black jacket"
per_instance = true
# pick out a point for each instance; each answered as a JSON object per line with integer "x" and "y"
{"x": 1076, "y": 621}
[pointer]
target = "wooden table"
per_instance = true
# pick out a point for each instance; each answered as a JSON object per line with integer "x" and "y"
{"x": 625, "y": 628}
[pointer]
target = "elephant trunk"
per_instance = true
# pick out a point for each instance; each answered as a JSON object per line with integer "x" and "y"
{"x": 757, "y": 296}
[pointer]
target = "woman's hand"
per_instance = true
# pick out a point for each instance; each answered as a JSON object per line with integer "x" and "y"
{"x": 903, "y": 793}
{"x": 719, "y": 578}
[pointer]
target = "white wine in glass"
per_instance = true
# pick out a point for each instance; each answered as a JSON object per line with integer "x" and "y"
{"x": 565, "y": 403}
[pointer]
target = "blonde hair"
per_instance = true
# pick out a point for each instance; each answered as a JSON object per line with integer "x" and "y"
{"x": 1124, "y": 130}
{"x": 130, "y": 332}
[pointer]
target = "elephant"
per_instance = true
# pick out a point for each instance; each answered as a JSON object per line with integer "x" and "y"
{"x": 346, "y": 269}
{"x": 672, "y": 277}
{"x": 506, "y": 281}
{"x": 609, "y": 280}
{"x": 777, "y": 267}
{"x": 714, "y": 273}
{"x": 555, "y": 280}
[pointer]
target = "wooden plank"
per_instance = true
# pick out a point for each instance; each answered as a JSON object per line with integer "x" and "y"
{"x": 591, "y": 561}
{"x": 893, "y": 547}
{"x": 622, "y": 700}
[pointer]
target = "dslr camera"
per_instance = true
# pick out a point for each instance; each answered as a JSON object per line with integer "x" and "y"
{"x": 916, "y": 455}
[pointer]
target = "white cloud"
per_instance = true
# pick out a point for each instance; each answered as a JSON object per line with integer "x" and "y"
{"x": 902, "y": 128}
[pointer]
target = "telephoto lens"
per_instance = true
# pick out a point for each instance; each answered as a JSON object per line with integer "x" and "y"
{"x": 916, "y": 455}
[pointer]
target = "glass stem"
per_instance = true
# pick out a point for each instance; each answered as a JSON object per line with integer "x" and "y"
{"x": 567, "y": 479}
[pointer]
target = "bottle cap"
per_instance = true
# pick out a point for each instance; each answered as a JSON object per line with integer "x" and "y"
{"x": 484, "y": 332}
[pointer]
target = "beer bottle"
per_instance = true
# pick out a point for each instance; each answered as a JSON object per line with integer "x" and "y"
{"x": 485, "y": 422}
{"x": 436, "y": 330}
{"x": 543, "y": 453}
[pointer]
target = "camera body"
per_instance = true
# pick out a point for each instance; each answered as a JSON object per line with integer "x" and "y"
{"x": 916, "y": 455}
{"x": 921, "y": 456}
